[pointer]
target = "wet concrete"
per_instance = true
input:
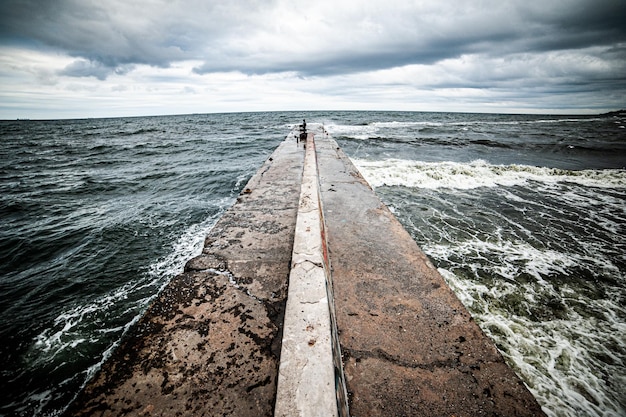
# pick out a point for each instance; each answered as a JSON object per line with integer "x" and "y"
{"x": 409, "y": 346}
{"x": 210, "y": 344}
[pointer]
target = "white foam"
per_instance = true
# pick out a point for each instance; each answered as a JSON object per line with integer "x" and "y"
{"x": 74, "y": 327}
{"x": 514, "y": 258}
{"x": 557, "y": 355}
{"x": 373, "y": 129}
{"x": 188, "y": 245}
{"x": 558, "y": 358}
{"x": 409, "y": 124}
{"x": 478, "y": 173}
{"x": 353, "y": 131}
{"x": 66, "y": 332}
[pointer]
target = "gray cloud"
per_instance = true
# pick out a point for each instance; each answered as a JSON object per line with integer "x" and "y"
{"x": 568, "y": 53}
{"x": 94, "y": 68}
{"x": 111, "y": 36}
{"x": 107, "y": 36}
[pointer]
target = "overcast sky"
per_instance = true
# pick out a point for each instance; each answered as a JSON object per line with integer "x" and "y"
{"x": 94, "y": 58}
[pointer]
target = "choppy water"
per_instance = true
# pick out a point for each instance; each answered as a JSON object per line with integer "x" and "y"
{"x": 523, "y": 216}
{"x": 97, "y": 215}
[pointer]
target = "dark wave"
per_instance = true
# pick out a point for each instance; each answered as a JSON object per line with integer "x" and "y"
{"x": 490, "y": 143}
{"x": 92, "y": 214}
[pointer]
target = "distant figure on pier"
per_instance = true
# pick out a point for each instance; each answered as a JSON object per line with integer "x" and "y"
{"x": 303, "y": 130}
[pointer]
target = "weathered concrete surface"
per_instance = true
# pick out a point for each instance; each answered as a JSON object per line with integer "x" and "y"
{"x": 410, "y": 348}
{"x": 306, "y": 380}
{"x": 210, "y": 344}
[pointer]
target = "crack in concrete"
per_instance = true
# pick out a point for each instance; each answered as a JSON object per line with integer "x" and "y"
{"x": 307, "y": 264}
{"x": 321, "y": 300}
{"x": 453, "y": 363}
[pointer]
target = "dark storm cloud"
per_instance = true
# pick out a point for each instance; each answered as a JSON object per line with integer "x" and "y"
{"x": 353, "y": 60}
{"x": 111, "y": 36}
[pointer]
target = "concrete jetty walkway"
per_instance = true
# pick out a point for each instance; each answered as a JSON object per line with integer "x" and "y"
{"x": 409, "y": 346}
{"x": 310, "y": 236}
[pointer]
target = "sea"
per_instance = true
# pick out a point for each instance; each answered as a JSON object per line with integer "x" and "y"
{"x": 523, "y": 215}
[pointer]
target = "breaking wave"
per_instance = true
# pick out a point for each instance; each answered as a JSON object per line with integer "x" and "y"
{"x": 478, "y": 173}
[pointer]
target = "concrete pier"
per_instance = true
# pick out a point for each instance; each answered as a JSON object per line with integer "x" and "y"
{"x": 365, "y": 308}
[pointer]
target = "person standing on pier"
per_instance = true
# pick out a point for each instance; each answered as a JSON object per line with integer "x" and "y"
{"x": 303, "y": 131}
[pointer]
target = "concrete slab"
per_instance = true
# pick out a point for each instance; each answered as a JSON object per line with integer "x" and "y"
{"x": 210, "y": 343}
{"x": 409, "y": 345}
